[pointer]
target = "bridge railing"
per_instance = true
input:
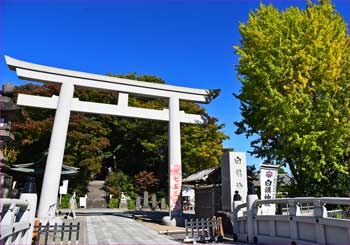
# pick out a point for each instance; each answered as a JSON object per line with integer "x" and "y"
{"x": 17, "y": 219}
{"x": 292, "y": 226}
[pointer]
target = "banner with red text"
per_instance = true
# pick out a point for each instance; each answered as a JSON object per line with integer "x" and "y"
{"x": 175, "y": 189}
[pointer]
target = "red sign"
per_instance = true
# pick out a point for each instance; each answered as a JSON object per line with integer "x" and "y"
{"x": 175, "y": 187}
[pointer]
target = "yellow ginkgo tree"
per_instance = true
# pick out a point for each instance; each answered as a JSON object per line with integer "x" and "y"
{"x": 294, "y": 66}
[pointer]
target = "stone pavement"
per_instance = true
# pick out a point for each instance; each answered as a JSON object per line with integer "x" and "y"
{"x": 112, "y": 229}
{"x": 116, "y": 226}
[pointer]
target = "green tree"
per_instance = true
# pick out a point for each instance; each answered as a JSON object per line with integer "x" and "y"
{"x": 252, "y": 175}
{"x": 294, "y": 68}
{"x": 146, "y": 141}
{"x": 86, "y": 139}
{"x": 137, "y": 145}
{"x": 118, "y": 182}
{"x": 145, "y": 181}
{"x": 201, "y": 146}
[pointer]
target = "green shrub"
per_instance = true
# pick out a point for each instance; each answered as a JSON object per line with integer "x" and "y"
{"x": 161, "y": 194}
{"x": 131, "y": 204}
{"x": 65, "y": 200}
{"x": 113, "y": 203}
{"x": 337, "y": 216}
{"x": 118, "y": 182}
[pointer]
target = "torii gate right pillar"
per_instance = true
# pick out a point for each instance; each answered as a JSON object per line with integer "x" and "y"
{"x": 175, "y": 168}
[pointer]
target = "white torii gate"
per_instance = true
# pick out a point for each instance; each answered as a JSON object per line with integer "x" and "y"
{"x": 65, "y": 103}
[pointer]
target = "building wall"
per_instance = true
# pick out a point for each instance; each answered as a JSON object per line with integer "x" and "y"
{"x": 207, "y": 201}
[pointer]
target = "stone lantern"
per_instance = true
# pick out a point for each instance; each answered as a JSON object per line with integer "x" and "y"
{"x": 9, "y": 112}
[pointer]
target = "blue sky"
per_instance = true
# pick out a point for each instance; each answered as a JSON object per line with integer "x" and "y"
{"x": 187, "y": 43}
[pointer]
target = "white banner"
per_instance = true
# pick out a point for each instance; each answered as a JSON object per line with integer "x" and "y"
{"x": 64, "y": 187}
{"x": 268, "y": 185}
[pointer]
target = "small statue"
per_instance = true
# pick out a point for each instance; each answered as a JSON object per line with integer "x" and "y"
{"x": 72, "y": 206}
{"x": 123, "y": 202}
{"x": 237, "y": 196}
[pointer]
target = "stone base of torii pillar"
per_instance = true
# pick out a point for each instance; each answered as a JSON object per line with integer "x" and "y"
{"x": 173, "y": 221}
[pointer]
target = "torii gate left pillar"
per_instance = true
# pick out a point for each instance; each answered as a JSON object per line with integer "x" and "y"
{"x": 52, "y": 175}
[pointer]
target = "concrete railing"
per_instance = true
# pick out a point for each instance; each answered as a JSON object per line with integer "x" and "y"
{"x": 17, "y": 219}
{"x": 293, "y": 227}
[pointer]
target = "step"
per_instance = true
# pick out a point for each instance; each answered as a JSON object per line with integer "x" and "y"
{"x": 96, "y": 195}
{"x": 96, "y": 203}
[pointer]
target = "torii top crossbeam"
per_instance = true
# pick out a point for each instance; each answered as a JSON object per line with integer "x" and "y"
{"x": 30, "y": 71}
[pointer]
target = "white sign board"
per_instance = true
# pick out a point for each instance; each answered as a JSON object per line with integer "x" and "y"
{"x": 234, "y": 178}
{"x": 239, "y": 170}
{"x": 82, "y": 202}
{"x": 64, "y": 187}
{"x": 268, "y": 185}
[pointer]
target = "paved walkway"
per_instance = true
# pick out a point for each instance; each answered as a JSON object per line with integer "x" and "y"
{"x": 111, "y": 229}
{"x": 116, "y": 226}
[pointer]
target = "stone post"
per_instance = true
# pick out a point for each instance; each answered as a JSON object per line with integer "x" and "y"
{"x": 294, "y": 210}
{"x": 138, "y": 203}
{"x": 162, "y": 203}
{"x": 233, "y": 178}
{"x": 235, "y": 204}
{"x": 154, "y": 201}
{"x": 52, "y": 175}
{"x": 320, "y": 212}
{"x": 252, "y": 212}
{"x": 145, "y": 199}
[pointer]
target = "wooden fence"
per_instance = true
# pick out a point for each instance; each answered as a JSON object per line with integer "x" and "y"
{"x": 54, "y": 233}
{"x": 203, "y": 230}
